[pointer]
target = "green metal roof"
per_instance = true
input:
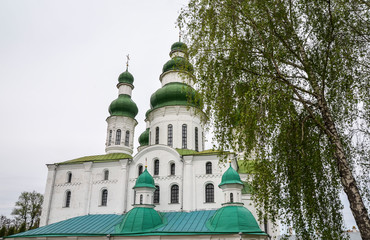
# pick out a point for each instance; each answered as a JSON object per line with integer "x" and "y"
{"x": 175, "y": 223}
{"x": 234, "y": 219}
{"x": 123, "y": 106}
{"x": 179, "y": 46}
{"x": 230, "y": 177}
{"x": 185, "y": 152}
{"x": 140, "y": 220}
{"x": 99, "y": 158}
{"x": 126, "y": 77}
{"x": 145, "y": 180}
{"x": 144, "y": 138}
{"x": 178, "y": 63}
{"x": 174, "y": 94}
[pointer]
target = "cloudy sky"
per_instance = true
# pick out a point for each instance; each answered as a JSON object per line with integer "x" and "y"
{"x": 59, "y": 64}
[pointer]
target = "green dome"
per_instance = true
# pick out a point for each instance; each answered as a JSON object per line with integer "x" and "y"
{"x": 126, "y": 77}
{"x": 234, "y": 219}
{"x": 178, "y": 63}
{"x": 139, "y": 220}
{"x": 145, "y": 180}
{"x": 174, "y": 94}
{"x": 179, "y": 46}
{"x": 144, "y": 138}
{"x": 123, "y": 106}
{"x": 230, "y": 176}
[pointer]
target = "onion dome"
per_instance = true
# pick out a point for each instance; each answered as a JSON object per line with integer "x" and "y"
{"x": 174, "y": 94}
{"x": 126, "y": 77}
{"x": 234, "y": 219}
{"x": 139, "y": 220}
{"x": 144, "y": 138}
{"x": 178, "y": 63}
{"x": 123, "y": 106}
{"x": 179, "y": 46}
{"x": 144, "y": 180}
{"x": 230, "y": 177}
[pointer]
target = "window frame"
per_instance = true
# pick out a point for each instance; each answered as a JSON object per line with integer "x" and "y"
{"x": 209, "y": 193}
{"x": 196, "y": 139}
{"x": 104, "y": 197}
{"x": 127, "y": 138}
{"x": 184, "y": 136}
{"x": 67, "y": 200}
{"x": 175, "y": 192}
{"x": 69, "y": 177}
{"x": 118, "y": 137}
{"x": 106, "y": 174}
{"x": 172, "y": 169}
{"x": 157, "y": 195}
{"x": 157, "y": 135}
{"x": 170, "y": 135}
{"x": 156, "y": 167}
{"x": 208, "y": 167}
{"x": 140, "y": 170}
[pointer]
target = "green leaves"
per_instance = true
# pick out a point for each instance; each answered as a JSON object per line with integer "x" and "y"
{"x": 286, "y": 81}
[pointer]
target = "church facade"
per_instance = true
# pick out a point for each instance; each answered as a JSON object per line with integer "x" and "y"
{"x": 172, "y": 180}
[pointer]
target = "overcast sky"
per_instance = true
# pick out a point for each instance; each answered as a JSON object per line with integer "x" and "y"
{"x": 59, "y": 64}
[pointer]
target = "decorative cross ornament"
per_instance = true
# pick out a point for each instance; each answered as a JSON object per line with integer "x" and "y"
{"x": 128, "y": 59}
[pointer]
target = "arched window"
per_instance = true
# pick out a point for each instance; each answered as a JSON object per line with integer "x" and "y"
{"x": 170, "y": 135}
{"x": 156, "y": 167}
{"x": 104, "y": 197}
{"x": 140, "y": 170}
{"x": 118, "y": 137}
{"x": 231, "y": 197}
{"x": 156, "y": 194}
{"x": 68, "y": 199}
{"x": 210, "y": 195}
{"x": 175, "y": 194}
{"x": 184, "y": 136}
{"x": 172, "y": 169}
{"x": 127, "y": 138}
{"x": 110, "y": 138}
{"x": 157, "y": 135}
{"x": 69, "y": 177}
{"x": 196, "y": 139}
{"x": 208, "y": 168}
{"x": 141, "y": 198}
{"x": 106, "y": 174}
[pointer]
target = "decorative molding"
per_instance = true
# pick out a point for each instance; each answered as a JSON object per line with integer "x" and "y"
{"x": 105, "y": 181}
{"x": 208, "y": 175}
{"x": 67, "y": 184}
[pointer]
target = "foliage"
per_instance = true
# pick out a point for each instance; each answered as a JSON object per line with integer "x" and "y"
{"x": 289, "y": 82}
{"x": 28, "y": 209}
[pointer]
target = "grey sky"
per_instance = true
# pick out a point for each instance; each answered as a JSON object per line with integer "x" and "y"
{"x": 59, "y": 64}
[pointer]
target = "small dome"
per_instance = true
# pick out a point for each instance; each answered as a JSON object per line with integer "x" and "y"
{"x": 230, "y": 177}
{"x": 123, "y": 106}
{"x": 139, "y": 220}
{"x": 174, "y": 94}
{"x": 145, "y": 180}
{"x": 144, "y": 138}
{"x": 126, "y": 77}
{"x": 178, "y": 63}
{"x": 234, "y": 219}
{"x": 179, "y": 46}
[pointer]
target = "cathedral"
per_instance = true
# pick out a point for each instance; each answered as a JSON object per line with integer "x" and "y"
{"x": 172, "y": 188}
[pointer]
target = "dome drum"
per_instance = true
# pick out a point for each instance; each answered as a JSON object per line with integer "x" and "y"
{"x": 176, "y": 76}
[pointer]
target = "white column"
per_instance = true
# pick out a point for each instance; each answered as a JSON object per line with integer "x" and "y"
{"x": 188, "y": 188}
{"x": 87, "y": 187}
{"x": 49, "y": 189}
{"x": 124, "y": 181}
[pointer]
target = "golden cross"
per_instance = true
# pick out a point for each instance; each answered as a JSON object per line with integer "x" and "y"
{"x": 128, "y": 59}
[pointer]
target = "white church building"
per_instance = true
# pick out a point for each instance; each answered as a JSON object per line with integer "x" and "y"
{"x": 172, "y": 188}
